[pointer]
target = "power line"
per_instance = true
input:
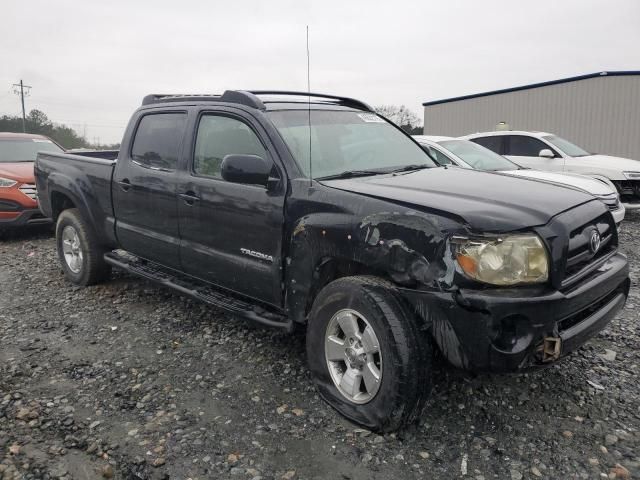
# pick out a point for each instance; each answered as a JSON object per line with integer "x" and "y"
{"x": 22, "y": 92}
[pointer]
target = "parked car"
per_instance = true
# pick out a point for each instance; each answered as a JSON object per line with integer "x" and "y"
{"x": 467, "y": 154}
{"x": 18, "y": 201}
{"x": 306, "y": 209}
{"x": 545, "y": 151}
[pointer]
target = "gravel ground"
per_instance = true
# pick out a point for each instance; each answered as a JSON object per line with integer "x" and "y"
{"x": 127, "y": 380}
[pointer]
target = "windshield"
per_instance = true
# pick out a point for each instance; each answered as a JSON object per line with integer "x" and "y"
{"x": 477, "y": 156}
{"x": 25, "y": 150}
{"x": 344, "y": 141}
{"x": 566, "y": 146}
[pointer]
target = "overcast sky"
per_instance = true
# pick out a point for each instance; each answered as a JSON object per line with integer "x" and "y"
{"x": 91, "y": 62}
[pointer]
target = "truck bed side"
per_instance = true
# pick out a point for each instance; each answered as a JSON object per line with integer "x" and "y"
{"x": 84, "y": 182}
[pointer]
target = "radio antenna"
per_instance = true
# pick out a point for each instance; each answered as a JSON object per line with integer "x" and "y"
{"x": 309, "y": 109}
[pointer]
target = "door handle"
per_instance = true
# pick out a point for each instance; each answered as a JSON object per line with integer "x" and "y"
{"x": 189, "y": 197}
{"x": 125, "y": 184}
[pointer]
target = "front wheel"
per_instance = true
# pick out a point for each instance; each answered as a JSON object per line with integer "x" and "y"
{"x": 368, "y": 356}
{"x": 79, "y": 251}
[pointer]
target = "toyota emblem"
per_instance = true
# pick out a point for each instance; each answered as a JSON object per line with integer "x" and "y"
{"x": 594, "y": 241}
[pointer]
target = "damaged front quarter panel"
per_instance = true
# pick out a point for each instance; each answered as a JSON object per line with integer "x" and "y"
{"x": 409, "y": 247}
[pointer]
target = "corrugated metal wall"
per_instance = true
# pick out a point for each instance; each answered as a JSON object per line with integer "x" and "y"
{"x": 600, "y": 114}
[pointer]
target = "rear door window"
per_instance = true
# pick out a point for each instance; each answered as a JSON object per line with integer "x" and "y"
{"x": 493, "y": 143}
{"x": 158, "y": 140}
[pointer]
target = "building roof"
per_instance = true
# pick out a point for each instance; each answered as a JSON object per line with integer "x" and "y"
{"x": 533, "y": 85}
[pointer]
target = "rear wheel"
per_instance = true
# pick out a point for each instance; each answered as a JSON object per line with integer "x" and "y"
{"x": 368, "y": 356}
{"x": 79, "y": 251}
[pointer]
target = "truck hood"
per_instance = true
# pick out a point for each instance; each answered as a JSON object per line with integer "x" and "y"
{"x": 19, "y": 171}
{"x": 587, "y": 184}
{"x": 611, "y": 167}
{"x": 487, "y": 202}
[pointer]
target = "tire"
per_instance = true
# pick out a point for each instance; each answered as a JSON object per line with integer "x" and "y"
{"x": 403, "y": 359}
{"x": 79, "y": 251}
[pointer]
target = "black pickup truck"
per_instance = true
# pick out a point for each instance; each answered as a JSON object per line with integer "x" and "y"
{"x": 311, "y": 210}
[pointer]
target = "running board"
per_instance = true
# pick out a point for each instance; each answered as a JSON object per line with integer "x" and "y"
{"x": 199, "y": 291}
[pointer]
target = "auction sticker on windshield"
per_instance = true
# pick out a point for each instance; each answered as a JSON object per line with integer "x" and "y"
{"x": 371, "y": 118}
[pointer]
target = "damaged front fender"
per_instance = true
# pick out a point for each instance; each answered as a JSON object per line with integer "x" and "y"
{"x": 406, "y": 246}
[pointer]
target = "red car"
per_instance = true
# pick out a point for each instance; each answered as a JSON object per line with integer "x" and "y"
{"x": 18, "y": 199}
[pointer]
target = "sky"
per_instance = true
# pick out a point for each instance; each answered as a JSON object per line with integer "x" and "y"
{"x": 91, "y": 62}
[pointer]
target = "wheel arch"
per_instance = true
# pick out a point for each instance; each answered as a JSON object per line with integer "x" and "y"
{"x": 65, "y": 194}
{"x": 329, "y": 246}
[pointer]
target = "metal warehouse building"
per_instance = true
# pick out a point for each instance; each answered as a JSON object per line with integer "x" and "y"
{"x": 599, "y": 112}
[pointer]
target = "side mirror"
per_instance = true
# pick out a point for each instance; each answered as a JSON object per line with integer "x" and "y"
{"x": 249, "y": 169}
{"x": 546, "y": 153}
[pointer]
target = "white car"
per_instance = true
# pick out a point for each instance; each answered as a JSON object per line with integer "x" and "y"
{"x": 546, "y": 151}
{"x": 466, "y": 154}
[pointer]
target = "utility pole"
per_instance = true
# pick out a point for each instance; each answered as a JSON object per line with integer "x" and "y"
{"x": 19, "y": 88}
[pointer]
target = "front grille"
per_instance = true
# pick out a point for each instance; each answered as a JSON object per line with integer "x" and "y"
{"x": 29, "y": 189}
{"x": 575, "y": 318}
{"x": 580, "y": 256}
{"x": 629, "y": 190}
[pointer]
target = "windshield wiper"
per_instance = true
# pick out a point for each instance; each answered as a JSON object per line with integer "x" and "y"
{"x": 351, "y": 174}
{"x": 409, "y": 168}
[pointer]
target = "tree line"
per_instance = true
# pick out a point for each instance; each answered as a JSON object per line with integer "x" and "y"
{"x": 38, "y": 122}
{"x": 401, "y": 116}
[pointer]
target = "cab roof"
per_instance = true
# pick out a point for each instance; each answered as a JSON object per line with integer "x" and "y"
{"x": 264, "y": 100}
{"x": 431, "y": 138}
{"x": 498, "y": 133}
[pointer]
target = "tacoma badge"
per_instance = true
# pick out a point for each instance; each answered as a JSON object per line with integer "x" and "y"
{"x": 255, "y": 254}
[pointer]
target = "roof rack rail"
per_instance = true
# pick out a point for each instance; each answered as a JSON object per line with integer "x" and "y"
{"x": 231, "y": 96}
{"x": 250, "y": 98}
{"x": 172, "y": 97}
{"x": 349, "y": 102}
{"x": 243, "y": 97}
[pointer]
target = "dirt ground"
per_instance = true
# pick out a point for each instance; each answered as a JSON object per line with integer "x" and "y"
{"x": 127, "y": 380}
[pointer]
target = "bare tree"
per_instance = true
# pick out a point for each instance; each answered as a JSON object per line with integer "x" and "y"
{"x": 401, "y": 116}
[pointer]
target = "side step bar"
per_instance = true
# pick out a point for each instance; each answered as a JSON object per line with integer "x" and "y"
{"x": 199, "y": 291}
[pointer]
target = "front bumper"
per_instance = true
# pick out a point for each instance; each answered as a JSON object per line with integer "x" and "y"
{"x": 618, "y": 214}
{"x": 506, "y": 330}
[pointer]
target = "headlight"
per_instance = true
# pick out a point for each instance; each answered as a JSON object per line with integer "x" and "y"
{"x": 632, "y": 175}
{"x": 508, "y": 260}
{"x": 6, "y": 182}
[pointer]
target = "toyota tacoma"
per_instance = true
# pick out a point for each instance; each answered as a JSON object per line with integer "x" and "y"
{"x": 310, "y": 210}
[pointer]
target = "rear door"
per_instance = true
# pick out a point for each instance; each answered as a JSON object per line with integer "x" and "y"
{"x": 231, "y": 233}
{"x": 144, "y": 188}
{"x": 525, "y": 151}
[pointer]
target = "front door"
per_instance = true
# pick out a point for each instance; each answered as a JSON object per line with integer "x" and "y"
{"x": 231, "y": 234}
{"x": 144, "y": 189}
{"x": 525, "y": 151}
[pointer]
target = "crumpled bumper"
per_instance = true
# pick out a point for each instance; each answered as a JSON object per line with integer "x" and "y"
{"x": 507, "y": 330}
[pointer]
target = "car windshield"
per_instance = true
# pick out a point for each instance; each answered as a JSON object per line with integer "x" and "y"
{"x": 477, "y": 156}
{"x": 25, "y": 150}
{"x": 347, "y": 142}
{"x": 566, "y": 146}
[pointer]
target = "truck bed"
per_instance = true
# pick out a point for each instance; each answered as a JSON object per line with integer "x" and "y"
{"x": 85, "y": 180}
